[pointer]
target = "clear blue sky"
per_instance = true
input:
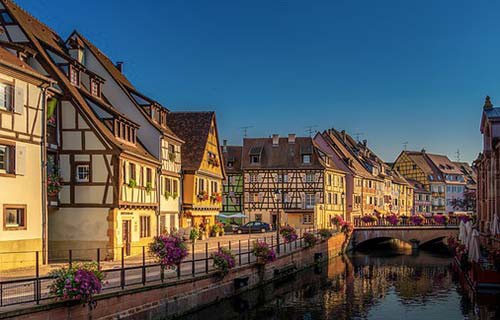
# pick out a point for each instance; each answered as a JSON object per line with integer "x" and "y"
{"x": 396, "y": 71}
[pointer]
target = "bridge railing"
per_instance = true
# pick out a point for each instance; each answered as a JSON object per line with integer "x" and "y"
{"x": 406, "y": 221}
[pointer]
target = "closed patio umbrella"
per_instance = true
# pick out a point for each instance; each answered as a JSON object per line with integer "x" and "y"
{"x": 462, "y": 233}
{"x": 495, "y": 227}
{"x": 468, "y": 233}
{"x": 474, "y": 250}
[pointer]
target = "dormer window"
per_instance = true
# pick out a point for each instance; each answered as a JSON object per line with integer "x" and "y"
{"x": 230, "y": 164}
{"x": 95, "y": 87}
{"x": 74, "y": 76}
{"x": 125, "y": 131}
{"x": 255, "y": 159}
{"x": 306, "y": 158}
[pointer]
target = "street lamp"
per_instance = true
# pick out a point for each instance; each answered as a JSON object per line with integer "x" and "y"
{"x": 277, "y": 195}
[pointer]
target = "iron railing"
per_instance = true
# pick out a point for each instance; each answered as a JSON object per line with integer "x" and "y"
{"x": 405, "y": 222}
{"x": 126, "y": 273}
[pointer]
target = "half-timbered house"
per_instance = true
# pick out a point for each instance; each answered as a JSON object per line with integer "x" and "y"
{"x": 23, "y": 97}
{"x": 232, "y": 187}
{"x": 202, "y": 166}
{"x": 108, "y": 198}
{"x": 284, "y": 182}
{"x": 151, "y": 116}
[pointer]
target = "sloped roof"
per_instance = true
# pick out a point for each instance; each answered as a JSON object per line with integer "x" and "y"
{"x": 122, "y": 80}
{"x": 9, "y": 59}
{"x": 285, "y": 155}
{"x": 444, "y": 164}
{"x": 193, "y": 128}
{"x": 40, "y": 35}
{"x": 233, "y": 154}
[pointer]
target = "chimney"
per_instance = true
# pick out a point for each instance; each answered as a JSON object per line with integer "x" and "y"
{"x": 291, "y": 138}
{"x": 423, "y": 150}
{"x": 276, "y": 139}
{"x": 119, "y": 66}
{"x": 224, "y": 145}
{"x": 343, "y": 135}
{"x": 487, "y": 103}
{"x": 365, "y": 142}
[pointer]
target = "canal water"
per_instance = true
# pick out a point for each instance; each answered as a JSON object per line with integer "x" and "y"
{"x": 383, "y": 283}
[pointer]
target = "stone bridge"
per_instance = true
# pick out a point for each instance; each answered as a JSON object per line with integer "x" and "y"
{"x": 423, "y": 234}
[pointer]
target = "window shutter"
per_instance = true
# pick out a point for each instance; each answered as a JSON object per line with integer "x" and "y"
{"x": 12, "y": 159}
{"x": 19, "y": 100}
{"x": 127, "y": 168}
{"x": 20, "y": 160}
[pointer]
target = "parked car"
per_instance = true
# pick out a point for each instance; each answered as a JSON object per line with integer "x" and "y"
{"x": 253, "y": 227}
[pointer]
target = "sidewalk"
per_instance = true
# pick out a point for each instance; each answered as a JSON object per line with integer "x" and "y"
{"x": 136, "y": 260}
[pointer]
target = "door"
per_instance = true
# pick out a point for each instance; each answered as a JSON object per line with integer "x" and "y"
{"x": 126, "y": 234}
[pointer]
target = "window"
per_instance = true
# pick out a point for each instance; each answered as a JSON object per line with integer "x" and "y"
{"x": 145, "y": 226}
{"x": 255, "y": 159}
{"x": 329, "y": 198}
{"x": 74, "y": 76}
{"x": 214, "y": 187}
{"x": 201, "y": 185}
{"x": 82, "y": 172}
{"x": 329, "y": 179}
{"x": 132, "y": 171}
{"x": 175, "y": 187}
{"x": 230, "y": 164}
{"x": 310, "y": 177}
{"x": 307, "y": 219}
{"x": 335, "y": 199}
{"x": 95, "y": 88}
{"x": 254, "y": 197}
{"x": 310, "y": 200}
{"x": 4, "y": 158}
{"x": 7, "y": 19}
{"x": 258, "y": 217}
{"x": 149, "y": 176}
{"x": 306, "y": 158}
{"x": 282, "y": 177}
{"x": 14, "y": 217}
{"x": 253, "y": 177}
{"x": 6, "y": 96}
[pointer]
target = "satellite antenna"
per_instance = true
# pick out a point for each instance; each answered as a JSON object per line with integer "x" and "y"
{"x": 245, "y": 130}
{"x": 405, "y": 145}
{"x": 310, "y": 130}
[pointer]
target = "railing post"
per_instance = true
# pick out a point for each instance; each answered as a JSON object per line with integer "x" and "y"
{"x": 218, "y": 245}
{"x": 122, "y": 271}
{"x": 178, "y": 271}
{"x": 229, "y": 245}
{"x": 99, "y": 257}
{"x": 239, "y": 251}
{"x": 248, "y": 253}
{"x": 143, "y": 265}
{"x": 192, "y": 260}
{"x": 272, "y": 241}
{"x": 70, "y": 258}
{"x": 162, "y": 273}
{"x": 37, "y": 281}
{"x": 206, "y": 257}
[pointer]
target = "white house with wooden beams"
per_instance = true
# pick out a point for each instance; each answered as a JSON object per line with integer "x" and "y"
{"x": 151, "y": 116}
{"x": 109, "y": 193}
{"x": 23, "y": 94}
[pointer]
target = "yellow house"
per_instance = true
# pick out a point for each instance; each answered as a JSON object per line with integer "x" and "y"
{"x": 202, "y": 166}
{"x": 335, "y": 193}
{"x": 23, "y": 94}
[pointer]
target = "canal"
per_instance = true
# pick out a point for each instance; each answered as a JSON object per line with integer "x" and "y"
{"x": 382, "y": 282}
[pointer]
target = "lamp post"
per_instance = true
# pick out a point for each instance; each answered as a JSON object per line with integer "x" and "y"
{"x": 278, "y": 194}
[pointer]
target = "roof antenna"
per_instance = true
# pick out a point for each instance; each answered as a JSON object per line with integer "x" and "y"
{"x": 310, "y": 130}
{"x": 358, "y": 136}
{"x": 405, "y": 145}
{"x": 245, "y": 130}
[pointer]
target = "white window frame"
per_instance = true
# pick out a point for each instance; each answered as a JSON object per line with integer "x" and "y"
{"x": 6, "y": 96}
{"x": 80, "y": 174}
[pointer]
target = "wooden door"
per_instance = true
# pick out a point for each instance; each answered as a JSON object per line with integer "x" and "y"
{"x": 126, "y": 234}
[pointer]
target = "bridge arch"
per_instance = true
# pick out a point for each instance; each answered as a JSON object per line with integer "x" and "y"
{"x": 360, "y": 245}
{"x": 424, "y": 236}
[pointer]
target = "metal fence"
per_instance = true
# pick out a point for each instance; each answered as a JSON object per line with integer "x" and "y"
{"x": 406, "y": 222}
{"x": 126, "y": 273}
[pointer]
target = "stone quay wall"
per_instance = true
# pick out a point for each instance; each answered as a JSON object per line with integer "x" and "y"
{"x": 166, "y": 300}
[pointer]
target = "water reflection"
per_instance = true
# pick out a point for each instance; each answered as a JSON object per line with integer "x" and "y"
{"x": 379, "y": 285}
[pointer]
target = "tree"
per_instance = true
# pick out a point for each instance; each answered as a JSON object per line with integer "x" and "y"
{"x": 467, "y": 203}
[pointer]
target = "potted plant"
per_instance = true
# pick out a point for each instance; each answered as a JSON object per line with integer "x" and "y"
{"x": 417, "y": 219}
{"x": 168, "y": 250}
{"x": 263, "y": 252}
{"x": 202, "y": 196}
{"x": 175, "y": 195}
{"x": 194, "y": 234}
{"x": 288, "y": 233}
{"x": 54, "y": 183}
{"x": 171, "y": 156}
{"x": 441, "y": 219}
{"x": 325, "y": 233}
{"x": 223, "y": 261}
{"x": 202, "y": 231}
{"x": 149, "y": 187}
{"x": 310, "y": 239}
{"x": 347, "y": 228}
{"x": 393, "y": 219}
{"x": 79, "y": 282}
{"x": 132, "y": 183}
{"x": 369, "y": 219}
{"x": 167, "y": 195}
